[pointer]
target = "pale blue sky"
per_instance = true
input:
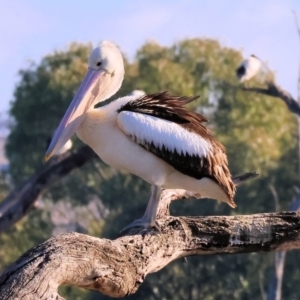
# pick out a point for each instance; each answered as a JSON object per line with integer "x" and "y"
{"x": 33, "y": 28}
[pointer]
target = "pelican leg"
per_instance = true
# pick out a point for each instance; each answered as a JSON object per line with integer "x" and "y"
{"x": 149, "y": 217}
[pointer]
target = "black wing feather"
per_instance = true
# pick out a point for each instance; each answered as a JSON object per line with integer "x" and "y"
{"x": 171, "y": 108}
{"x": 165, "y": 106}
{"x": 240, "y": 71}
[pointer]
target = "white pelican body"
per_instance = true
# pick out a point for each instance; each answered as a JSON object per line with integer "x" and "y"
{"x": 118, "y": 150}
{"x": 103, "y": 130}
{"x": 248, "y": 68}
{"x": 152, "y": 136}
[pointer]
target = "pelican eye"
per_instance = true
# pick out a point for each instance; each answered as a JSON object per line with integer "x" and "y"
{"x": 99, "y": 63}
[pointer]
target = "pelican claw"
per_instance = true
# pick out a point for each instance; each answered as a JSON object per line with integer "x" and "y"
{"x": 142, "y": 222}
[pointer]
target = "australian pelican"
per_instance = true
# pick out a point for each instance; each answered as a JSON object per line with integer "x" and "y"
{"x": 153, "y": 136}
{"x": 248, "y": 68}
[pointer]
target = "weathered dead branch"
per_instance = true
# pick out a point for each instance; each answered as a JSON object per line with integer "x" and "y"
{"x": 275, "y": 90}
{"x": 18, "y": 203}
{"x": 117, "y": 268}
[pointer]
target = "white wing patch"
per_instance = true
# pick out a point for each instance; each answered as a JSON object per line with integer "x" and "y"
{"x": 160, "y": 132}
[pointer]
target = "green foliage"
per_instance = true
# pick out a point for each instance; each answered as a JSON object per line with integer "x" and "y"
{"x": 258, "y": 132}
{"x": 40, "y": 100}
{"x": 27, "y": 233}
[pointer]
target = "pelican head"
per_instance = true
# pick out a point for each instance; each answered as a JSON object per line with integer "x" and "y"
{"x": 102, "y": 80}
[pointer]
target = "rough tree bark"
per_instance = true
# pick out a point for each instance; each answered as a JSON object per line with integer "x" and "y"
{"x": 117, "y": 268}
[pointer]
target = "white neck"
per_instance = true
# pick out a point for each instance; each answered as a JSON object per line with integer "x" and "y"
{"x": 113, "y": 86}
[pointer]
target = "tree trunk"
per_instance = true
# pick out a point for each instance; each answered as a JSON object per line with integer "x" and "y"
{"x": 117, "y": 268}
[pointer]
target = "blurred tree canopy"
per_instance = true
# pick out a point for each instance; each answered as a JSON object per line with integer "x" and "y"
{"x": 258, "y": 132}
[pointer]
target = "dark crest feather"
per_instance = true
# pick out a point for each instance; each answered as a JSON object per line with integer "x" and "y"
{"x": 165, "y": 106}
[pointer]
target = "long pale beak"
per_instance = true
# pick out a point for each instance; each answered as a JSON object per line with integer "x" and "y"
{"x": 84, "y": 98}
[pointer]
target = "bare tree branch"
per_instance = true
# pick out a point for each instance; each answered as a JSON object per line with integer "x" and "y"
{"x": 275, "y": 90}
{"x": 18, "y": 203}
{"x": 275, "y": 285}
{"x": 261, "y": 285}
{"x": 275, "y": 196}
{"x": 117, "y": 268}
